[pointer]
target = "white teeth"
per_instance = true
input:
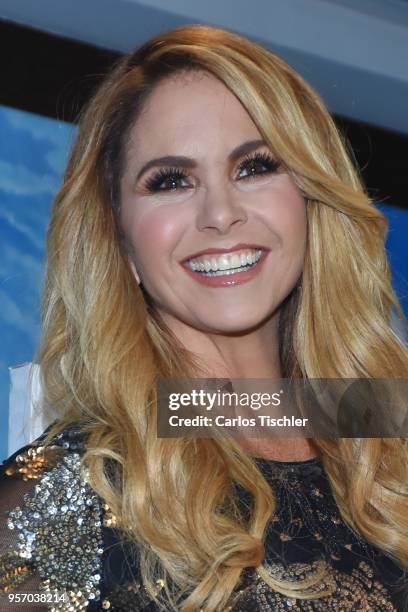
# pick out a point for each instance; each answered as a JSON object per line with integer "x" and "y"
{"x": 235, "y": 261}
{"x": 225, "y": 263}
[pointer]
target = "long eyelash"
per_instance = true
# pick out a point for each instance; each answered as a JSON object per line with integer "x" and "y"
{"x": 264, "y": 158}
{"x": 153, "y": 183}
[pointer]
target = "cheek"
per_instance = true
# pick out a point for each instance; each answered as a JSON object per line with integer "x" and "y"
{"x": 285, "y": 214}
{"x": 153, "y": 234}
{"x": 294, "y": 221}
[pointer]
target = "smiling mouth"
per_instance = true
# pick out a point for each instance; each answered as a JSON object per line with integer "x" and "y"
{"x": 226, "y": 269}
{"x": 228, "y": 272}
{"x": 224, "y": 264}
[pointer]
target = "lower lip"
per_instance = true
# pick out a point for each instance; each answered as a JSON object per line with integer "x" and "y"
{"x": 228, "y": 280}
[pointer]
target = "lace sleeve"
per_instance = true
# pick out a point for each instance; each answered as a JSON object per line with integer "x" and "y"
{"x": 51, "y": 540}
{"x": 19, "y": 581}
{"x": 60, "y": 548}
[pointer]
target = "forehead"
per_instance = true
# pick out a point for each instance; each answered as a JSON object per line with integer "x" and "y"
{"x": 188, "y": 112}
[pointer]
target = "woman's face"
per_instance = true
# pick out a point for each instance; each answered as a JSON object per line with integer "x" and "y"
{"x": 198, "y": 179}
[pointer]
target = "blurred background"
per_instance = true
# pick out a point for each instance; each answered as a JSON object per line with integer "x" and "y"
{"x": 54, "y": 54}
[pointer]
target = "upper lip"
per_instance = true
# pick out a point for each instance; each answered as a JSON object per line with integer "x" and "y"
{"x": 214, "y": 251}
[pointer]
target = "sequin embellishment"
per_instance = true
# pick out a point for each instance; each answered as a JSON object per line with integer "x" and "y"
{"x": 31, "y": 464}
{"x": 60, "y": 534}
{"x": 356, "y": 591}
{"x": 62, "y": 525}
{"x": 13, "y": 571}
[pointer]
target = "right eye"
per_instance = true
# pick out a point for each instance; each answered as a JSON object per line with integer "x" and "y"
{"x": 167, "y": 179}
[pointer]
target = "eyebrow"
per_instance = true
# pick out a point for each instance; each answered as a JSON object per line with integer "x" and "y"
{"x": 188, "y": 162}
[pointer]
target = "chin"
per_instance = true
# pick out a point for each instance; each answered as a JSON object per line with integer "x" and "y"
{"x": 235, "y": 325}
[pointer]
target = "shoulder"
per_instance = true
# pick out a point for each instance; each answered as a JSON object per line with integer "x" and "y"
{"x": 30, "y": 461}
{"x": 59, "y": 537}
{"x": 51, "y": 519}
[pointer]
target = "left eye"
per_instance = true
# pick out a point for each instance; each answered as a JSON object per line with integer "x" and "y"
{"x": 167, "y": 180}
{"x": 261, "y": 163}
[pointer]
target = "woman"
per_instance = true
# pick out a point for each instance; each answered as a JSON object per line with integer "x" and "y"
{"x": 199, "y": 148}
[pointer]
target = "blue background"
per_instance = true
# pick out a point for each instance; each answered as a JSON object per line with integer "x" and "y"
{"x": 33, "y": 153}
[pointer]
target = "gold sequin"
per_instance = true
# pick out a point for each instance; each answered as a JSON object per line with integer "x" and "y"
{"x": 127, "y": 597}
{"x": 59, "y": 533}
{"x": 12, "y": 571}
{"x": 31, "y": 464}
{"x": 355, "y": 591}
{"x": 284, "y": 537}
{"x": 109, "y": 519}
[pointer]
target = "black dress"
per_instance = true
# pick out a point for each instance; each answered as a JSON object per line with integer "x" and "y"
{"x": 60, "y": 547}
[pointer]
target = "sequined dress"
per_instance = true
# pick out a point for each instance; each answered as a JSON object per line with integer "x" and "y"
{"x": 60, "y": 542}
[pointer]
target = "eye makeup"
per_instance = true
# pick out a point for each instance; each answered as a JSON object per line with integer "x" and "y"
{"x": 169, "y": 179}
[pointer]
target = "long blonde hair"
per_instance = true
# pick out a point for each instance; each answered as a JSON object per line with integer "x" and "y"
{"x": 103, "y": 346}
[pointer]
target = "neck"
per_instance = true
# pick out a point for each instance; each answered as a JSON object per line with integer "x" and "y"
{"x": 253, "y": 354}
{"x": 280, "y": 449}
{"x": 238, "y": 355}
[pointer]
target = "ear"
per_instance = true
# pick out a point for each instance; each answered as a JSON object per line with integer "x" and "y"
{"x": 133, "y": 267}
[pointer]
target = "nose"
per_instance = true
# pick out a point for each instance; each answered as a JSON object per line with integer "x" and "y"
{"x": 220, "y": 209}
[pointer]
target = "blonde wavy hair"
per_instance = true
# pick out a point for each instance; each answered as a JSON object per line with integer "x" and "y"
{"x": 104, "y": 346}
